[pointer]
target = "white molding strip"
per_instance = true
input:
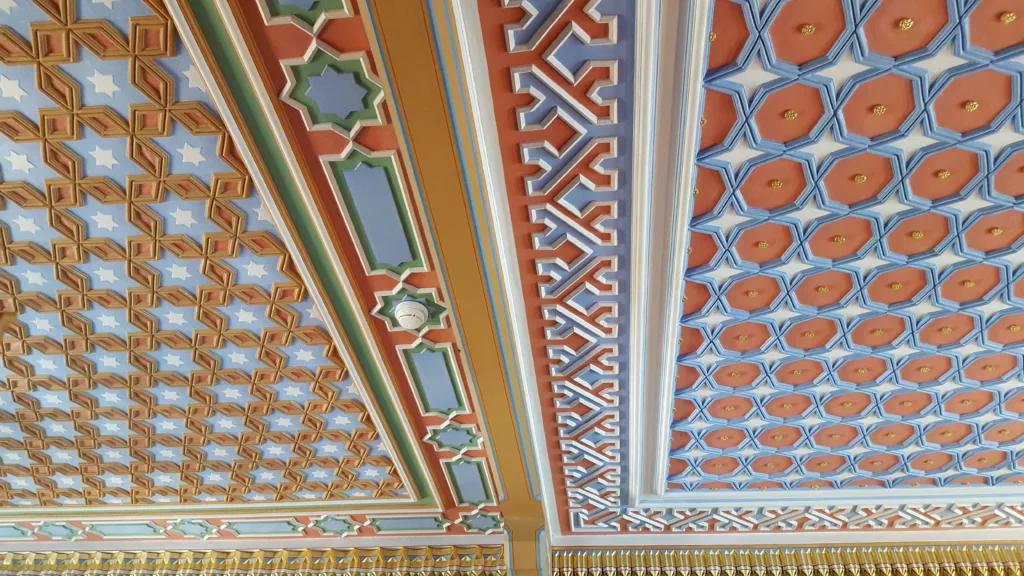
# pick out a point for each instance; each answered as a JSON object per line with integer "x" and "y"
{"x": 244, "y": 544}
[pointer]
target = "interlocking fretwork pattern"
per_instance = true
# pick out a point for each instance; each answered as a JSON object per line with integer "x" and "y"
{"x": 166, "y": 349}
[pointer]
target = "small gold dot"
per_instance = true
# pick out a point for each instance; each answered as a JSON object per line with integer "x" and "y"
{"x": 807, "y": 29}
{"x": 917, "y": 234}
{"x": 787, "y": 405}
{"x": 808, "y": 334}
{"x": 1018, "y": 482}
{"x": 696, "y": 192}
{"x": 762, "y": 244}
{"x": 924, "y": 369}
{"x": 875, "y": 462}
{"x": 1007, "y": 17}
{"x": 714, "y": 489}
{"x": 742, "y": 337}
{"x": 823, "y": 289}
{"x": 983, "y": 460}
{"x": 916, "y": 484}
{"x": 895, "y": 286}
{"x": 988, "y": 368}
{"x": 723, "y": 438}
{"x": 929, "y": 462}
{"x": 966, "y": 483}
{"x": 995, "y": 231}
{"x": 862, "y": 370}
{"x": 942, "y": 174}
{"x": 877, "y": 332}
{"x": 1004, "y": 432}
{"x": 762, "y": 488}
{"x": 890, "y": 434}
{"x": 685, "y": 298}
{"x": 908, "y": 403}
{"x": 860, "y": 178}
{"x": 967, "y": 402}
{"x": 847, "y": 404}
{"x": 703, "y": 121}
{"x": 1014, "y": 328}
{"x": 751, "y": 293}
{"x": 879, "y": 109}
{"x": 839, "y": 239}
{"x": 734, "y": 374}
{"x": 712, "y": 37}
{"x": 689, "y": 249}
{"x": 971, "y": 105}
{"x": 730, "y": 408}
{"x": 814, "y": 487}
{"x": 719, "y": 465}
{"x": 777, "y": 437}
{"x": 822, "y": 464}
{"x": 770, "y": 465}
{"x": 776, "y": 183}
{"x": 906, "y": 24}
{"x": 947, "y": 433}
{"x": 835, "y": 436}
{"x": 969, "y": 284}
{"x": 945, "y": 329}
{"x": 798, "y": 372}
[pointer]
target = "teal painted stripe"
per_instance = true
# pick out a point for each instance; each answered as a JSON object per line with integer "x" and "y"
{"x": 226, "y": 60}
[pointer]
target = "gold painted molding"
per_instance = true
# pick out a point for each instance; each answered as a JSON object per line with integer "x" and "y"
{"x": 943, "y": 560}
{"x": 468, "y": 560}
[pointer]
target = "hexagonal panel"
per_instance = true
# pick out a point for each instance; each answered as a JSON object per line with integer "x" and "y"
{"x": 995, "y": 232}
{"x": 848, "y": 405}
{"x": 799, "y": 372}
{"x": 930, "y": 369}
{"x": 930, "y": 462}
{"x": 773, "y": 185}
{"x": 990, "y": 368}
{"x": 862, "y": 371}
{"x": 892, "y": 435}
{"x": 908, "y": 404}
{"x": 702, "y": 249}
{"x": 918, "y": 235}
{"x": 744, "y": 337}
{"x": 1007, "y": 330}
{"x": 897, "y": 286}
{"x": 944, "y": 174}
{"x": 879, "y": 332}
{"x": 696, "y": 296}
{"x": 898, "y": 27}
{"x": 691, "y": 339}
{"x": 724, "y": 438}
{"x": 878, "y": 463}
{"x": 729, "y": 34}
{"x": 772, "y": 465}
{"x": 708, "y": 191}
{"x": 972, "y": 285}
{"x": 719, "y": 117}
{"x": 780, "y": 437}
{"x": 1008, "y": 179}
{"x": 982, "y": 460}
{"x": 789, "y": 113}
{"x": 836, "y": 436}
{"x": 729, "y": 408}
{"x": 947, "y": 331}
{"x": 841, "y": 239}
{"x": 824, "y": 290}
{"x": 805, "y": 30}
{"x": 765, "y": 243}
{"x": 1005, "y": 433}
{"x": 810, "y": 334}
{"x": 737, "y": 374}
{"x": 968, "y": 403}
{"x": 973, "y": 100}
{"x": 682, "y": 409}
{"x": 789, "y": 406}
{"x": 720, "y": 466}
{"x": 858, "y": 178}
{"x": 825, "y": 464}
{"x": 754, "y": 293}
{"x": 879, "y": 106}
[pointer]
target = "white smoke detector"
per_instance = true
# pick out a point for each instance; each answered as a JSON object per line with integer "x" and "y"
{"x": 411, "y": 315}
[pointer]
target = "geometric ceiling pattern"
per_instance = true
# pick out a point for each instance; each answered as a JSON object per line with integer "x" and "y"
{"x": 852, "y": 311}
{"x": 166, "y": 350}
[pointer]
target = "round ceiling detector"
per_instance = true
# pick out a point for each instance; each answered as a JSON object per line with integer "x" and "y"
{"x": 411, "y": 315}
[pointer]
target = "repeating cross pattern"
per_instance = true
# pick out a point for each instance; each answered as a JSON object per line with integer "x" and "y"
{"x": 852, "y": 310}
{"x": 166, "y": 349}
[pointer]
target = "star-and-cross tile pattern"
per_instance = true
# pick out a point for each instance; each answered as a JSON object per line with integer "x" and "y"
{"x": 854, "y": 295}
{"x": 166, "y": 349}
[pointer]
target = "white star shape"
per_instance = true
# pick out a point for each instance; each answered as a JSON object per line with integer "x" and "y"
{"x": 47, "y": 364}
{"x": 232, "y": 393}
{"x": 175, "y": 318}
{"x": 112, "y": 426}
{"x": 110, "y": 397}
{"x": 220, "y": 452}
{"x": 26, "y": 224}
{"x": 266, "y": 476}
{"x": 173, "y": 360}
{"x": 61, "y": 455}
{"x": 304, "y": 356}
{"x": 226, "y": 424}
{"x": 104, "y": 221}
{"x": 254, "y": 269}
{"x": 314, "y": 313}
{"x": 168, "y": 426}
{"x": 67, "y": 481}
{"x": 164, "y": 478}
{"x": 10, "y": 88}
{"x": 292, "y": 391}
{"x": 34, "y": 278}
{"x": 109, "y": 362}
{"x": 191, "y": 154}
{"x": 56, "y": 427}
{"x": 116, "y": 481}
{"x": 167, "y": 453}
{"x": 179, "y": 272}
{"x": 169, "y": 394}
{"x": 245, "y": 316}
{"x": 108, "y": 3}
{"x": 19, "y": 162}
{"x": 319, "y": 474}
{"x": 283, "y": 422}
{"x": 108, "y": 321}
{"x": 103, "y": 83}
{"x": 238, "y": 358}
{"x": 372, "y": 473}
{"x": 195, "y": 80}
{"x": 104, "y": 157}
{"x": 330, "y": 449}
{"x": 113, "y": 455}
{"x": 51, "y": 399}
{"x": 107, "y": 275}
{"x": 214, "y": 477}
{"x": 258, "y": 497}
{"x": 42, "y": 324}
{"x": 183, "y": 217}
{"x": 342, "y": 420}
{"x": 275, "y": 450}
{"x": 262, "y": 213}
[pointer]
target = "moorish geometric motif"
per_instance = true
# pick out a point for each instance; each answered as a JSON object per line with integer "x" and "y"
{"x": 166, "y": 349}
{"x": 853, "y": 304}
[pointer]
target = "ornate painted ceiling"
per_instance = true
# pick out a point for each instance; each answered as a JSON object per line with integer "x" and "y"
{"x": 509, "y": 285}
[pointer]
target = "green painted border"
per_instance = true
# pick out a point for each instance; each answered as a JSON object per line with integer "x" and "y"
{"x": 227, "y": 62}
{"x": 485, "y": 481}
{"x": 421, "y": 389}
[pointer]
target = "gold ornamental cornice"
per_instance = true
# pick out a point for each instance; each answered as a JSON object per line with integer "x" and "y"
{"x": 976, "y": 560}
